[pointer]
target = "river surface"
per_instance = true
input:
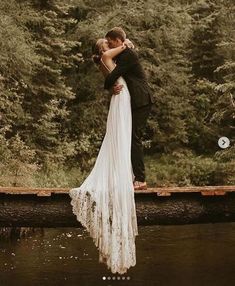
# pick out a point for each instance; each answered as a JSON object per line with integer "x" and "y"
{"x": 187, "y": 255}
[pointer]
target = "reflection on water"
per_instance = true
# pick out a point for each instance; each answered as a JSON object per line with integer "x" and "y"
{"x": 166, "y": 255}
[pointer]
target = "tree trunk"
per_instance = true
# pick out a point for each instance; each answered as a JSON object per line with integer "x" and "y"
{"x": 179, "y": 208}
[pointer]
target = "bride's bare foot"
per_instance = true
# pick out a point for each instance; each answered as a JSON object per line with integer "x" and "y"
{"x": 140, "y": 185}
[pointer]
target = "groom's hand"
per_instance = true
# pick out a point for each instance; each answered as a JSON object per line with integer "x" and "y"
{"x": 116, "y": 88}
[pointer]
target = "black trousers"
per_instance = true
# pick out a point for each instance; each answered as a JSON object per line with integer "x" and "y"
{"x": 139, "y": 120}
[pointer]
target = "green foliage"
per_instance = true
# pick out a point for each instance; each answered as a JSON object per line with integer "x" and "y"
{"x": 183, "y": 168}
{"x": 18, "y": 163}
{"x": 205, "y": 37}
{"x": 53, "y": 108}
{"x": 62, "y": 177}
{"x": 211, "y": 75}
{"x": 37, "y": 61}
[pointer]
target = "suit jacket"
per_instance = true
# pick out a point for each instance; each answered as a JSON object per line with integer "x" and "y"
{"x": 129, "y": 67}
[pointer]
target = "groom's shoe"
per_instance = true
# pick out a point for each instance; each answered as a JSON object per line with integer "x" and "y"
{"x": 140, "y": 185}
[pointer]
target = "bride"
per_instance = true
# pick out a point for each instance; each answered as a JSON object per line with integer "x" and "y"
{"x": 104, "y": 204}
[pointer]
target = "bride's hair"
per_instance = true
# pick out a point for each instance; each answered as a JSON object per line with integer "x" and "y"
{"x": 97, "y": 50}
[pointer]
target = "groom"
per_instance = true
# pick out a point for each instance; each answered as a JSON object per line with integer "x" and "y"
{"x": 129, "y": 67}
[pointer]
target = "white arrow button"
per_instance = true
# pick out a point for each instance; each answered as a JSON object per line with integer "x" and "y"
{"x": 223, "y": 142}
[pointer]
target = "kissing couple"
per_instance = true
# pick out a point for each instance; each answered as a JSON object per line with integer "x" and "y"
{"x": 104, "y": 204}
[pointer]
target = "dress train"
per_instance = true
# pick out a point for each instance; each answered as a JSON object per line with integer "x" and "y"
{"x": 104, "y": 204}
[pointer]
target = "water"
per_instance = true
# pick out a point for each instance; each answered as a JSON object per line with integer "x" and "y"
{"x": 201, "y": 254}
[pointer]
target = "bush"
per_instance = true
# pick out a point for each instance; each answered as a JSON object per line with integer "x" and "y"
{"x": 187, "y": 169}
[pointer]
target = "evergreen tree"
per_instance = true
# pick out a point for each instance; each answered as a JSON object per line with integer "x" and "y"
{"x": 205, "y": 37}
{"x": 224, "y": 114}
{"x": 205, "y": 58}
{"x": 50, "y": 91}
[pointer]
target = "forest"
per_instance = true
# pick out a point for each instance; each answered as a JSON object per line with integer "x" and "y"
{"x": 53, "y": 106}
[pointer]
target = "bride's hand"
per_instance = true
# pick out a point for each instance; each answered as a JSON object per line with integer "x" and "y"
{"x": 129, "y": 44}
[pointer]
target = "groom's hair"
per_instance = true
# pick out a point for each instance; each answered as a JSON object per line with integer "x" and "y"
{"x": 116, "y": 32}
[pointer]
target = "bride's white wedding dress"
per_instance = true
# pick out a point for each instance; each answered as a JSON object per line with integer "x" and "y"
{"x": 104, "y": 203}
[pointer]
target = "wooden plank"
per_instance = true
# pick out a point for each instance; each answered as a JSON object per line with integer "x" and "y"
{"x": 43, "y": 194}
{"x": 159, "y": 191}
{"x": 220, "y": 193}
{"x": 194, "y": 189}
{"x": 208, "y": 193}
{"x": 36, "y": 191}
{"x": 164, "y": 194}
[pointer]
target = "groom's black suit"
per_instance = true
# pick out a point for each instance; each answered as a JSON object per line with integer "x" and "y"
{"x": 129, "y": 67}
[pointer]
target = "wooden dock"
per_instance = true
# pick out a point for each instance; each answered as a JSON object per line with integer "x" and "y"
{"x": 50, "y": 207}
{"x": 163, "y": 191}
